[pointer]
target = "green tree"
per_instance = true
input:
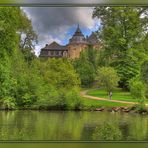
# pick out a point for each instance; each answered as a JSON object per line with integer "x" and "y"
{"x": 127, "y": 69}
{"x": 92, "y": 55}
{"x": 85, "y": 69}
{"x": 138, "y": 91}
{"x": 7, "y": 85}
{"x": 61, "y": 84}
{"x": 60, "y": 73}
{"x": 28, "y": 36}
{"x": 144, "y": 74}
{"x": 107, "y": 77}
{"x": 122, "y": 29}
{"x": 123, "y": 34}
{"x": 144, "y": 71}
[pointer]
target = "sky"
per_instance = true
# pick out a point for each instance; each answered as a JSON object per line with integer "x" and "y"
{"x": 59, "y": 23}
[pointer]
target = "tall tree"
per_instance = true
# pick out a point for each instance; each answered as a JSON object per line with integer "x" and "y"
{"x": 122, "y": 28}
{"x": 28, "y": 36}
{"x": 123, "y": 32}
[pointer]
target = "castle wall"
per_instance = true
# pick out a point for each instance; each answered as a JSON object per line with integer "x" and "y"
{"x": 75, "y": 50}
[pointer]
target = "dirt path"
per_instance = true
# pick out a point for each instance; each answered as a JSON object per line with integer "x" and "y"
{"x": 84, "y": 94}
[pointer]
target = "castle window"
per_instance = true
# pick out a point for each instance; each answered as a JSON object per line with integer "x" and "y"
{"x": 60, "y": 52}
{"x": 51, "y": 52}
{"x": 44, "y": 52}
{"x": 65, "y": 54}
{"x": 56, "y": 52}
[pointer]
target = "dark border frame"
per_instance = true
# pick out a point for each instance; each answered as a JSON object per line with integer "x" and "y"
{"x": 48, "y": 143}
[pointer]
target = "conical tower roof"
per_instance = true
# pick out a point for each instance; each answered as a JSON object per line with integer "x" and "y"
{"x": 78, "y": 37}
{"x": 92, "y": 39}
{"x": 78, "y": 32}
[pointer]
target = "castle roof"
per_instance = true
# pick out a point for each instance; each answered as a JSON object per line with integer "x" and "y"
{"x": 78, "y": 32}
{"x": 54, "y": 46}
{"x": 92, "y": 39}
{"x": 78, "y": 37}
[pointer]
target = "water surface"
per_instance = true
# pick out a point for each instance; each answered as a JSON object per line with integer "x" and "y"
{"x": 69, "y": 125}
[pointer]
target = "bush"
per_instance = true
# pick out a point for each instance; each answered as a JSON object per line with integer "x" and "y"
{"x": 8, "y": 103}
{"x": 73, "y": 99}
{"x": 138, "y": 91}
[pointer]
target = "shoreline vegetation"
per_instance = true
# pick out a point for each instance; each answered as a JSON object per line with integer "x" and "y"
{"x": 93, "y": 105}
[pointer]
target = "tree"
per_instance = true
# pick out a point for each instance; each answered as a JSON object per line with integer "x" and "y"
{"x": 138, "y": 91}
{"x": 7, "y": 86}
{"x": 107, "y": 77}
{"x": 144, "y": 74}
{"x": 28, "y": 36}
{"x": 85, "y": 69}
{"x": 126, "y": 68}
{"x": 144, "y": 71}
{"x": 60, "y": 73}
{"x": 92, "y": 56}
{"x": 122, "y": 29}
{"x": 123, "y": 34}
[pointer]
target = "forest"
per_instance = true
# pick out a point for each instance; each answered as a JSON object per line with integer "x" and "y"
{"x": 28, "y": 82}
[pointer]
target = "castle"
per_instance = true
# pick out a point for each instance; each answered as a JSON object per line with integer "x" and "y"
{"x": 72, "y": 50}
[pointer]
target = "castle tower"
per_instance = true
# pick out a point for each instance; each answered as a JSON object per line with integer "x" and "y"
{"x": 76, "y": 44}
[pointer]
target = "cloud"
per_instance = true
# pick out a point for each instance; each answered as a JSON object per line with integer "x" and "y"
{"x": 53, "y": 23}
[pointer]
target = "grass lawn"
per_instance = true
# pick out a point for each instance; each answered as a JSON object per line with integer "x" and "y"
{"x": 88, "y": 103}
{"x": 118, "y": 94}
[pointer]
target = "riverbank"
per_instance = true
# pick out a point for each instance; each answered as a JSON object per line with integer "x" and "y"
{"x": 93, "y": 103}
{"x": 98, "y": 106}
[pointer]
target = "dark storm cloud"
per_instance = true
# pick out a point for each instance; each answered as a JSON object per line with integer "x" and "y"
{"x": 53, "y": 19}
{"x": 52, "y": 23}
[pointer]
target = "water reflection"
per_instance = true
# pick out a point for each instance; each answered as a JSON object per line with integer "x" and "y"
{"x": 55, "y": 125}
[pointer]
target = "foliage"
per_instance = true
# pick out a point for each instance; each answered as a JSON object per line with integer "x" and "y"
{"x": 107, "y": 77}
{"x": 107, "y": 131}
{"x": 122, "y": 29}
{"x": 92, "y": 55}
{"x": 85, "y": 69}
{"x": 138, "y": 91}
{"x": 28, "y": 36}
{"x": 7, "y": 84}
{"x": 127, "y": 69}
{"x": 123, "y": 34}
{"x": 144, "y": 71}
{"x": 73, "y": 100}
{"x": 59, "y": 89}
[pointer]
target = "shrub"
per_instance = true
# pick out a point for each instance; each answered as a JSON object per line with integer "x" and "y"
{"x": 138, "y": 91}
{"x": 8, "y": 103}
{"x": 73, "y": 99}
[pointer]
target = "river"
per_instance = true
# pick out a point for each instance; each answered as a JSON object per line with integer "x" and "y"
{"x": 71, "y": 125}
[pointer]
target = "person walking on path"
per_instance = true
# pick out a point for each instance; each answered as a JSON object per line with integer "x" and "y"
{"x": 110, "y": 95}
